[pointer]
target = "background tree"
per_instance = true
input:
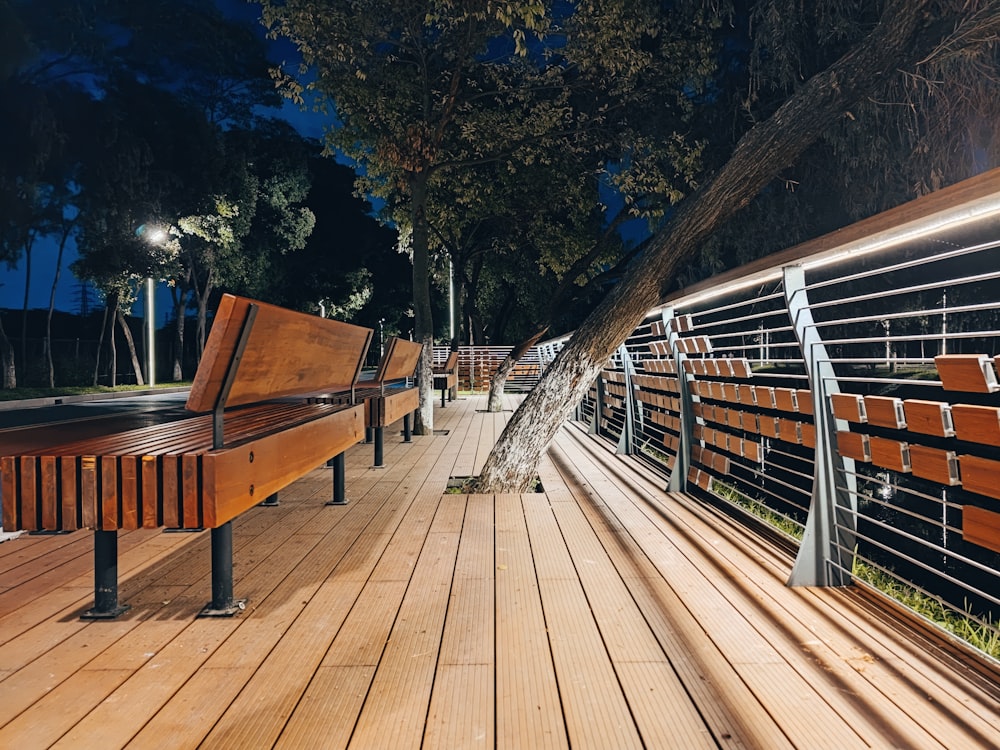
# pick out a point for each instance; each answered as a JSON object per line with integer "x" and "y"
{"x": 917, "y": 38}
{"x": 72, "y": 64}
{"x": 422, "y": 92}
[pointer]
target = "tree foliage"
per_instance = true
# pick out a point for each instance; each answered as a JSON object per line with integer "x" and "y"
{"x": 424, "y": 93}
{"x": 906, "y": 39}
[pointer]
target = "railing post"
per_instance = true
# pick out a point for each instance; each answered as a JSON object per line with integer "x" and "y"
{"x": 677, "y": 481}
{"x": 595, "y": 425}
{"x": 626, "y": 441}
{"x": 826, "y": 554}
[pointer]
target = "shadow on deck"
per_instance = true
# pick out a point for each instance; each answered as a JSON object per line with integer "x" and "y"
{"x": 604, "y": 613}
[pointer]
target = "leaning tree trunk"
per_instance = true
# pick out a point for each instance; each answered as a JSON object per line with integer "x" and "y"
{"x": 180, "y": 298}
{"x": 908, "y": 32}
{"x": 423, "y": 321}
{"x": 52, "y": 305}
{"x": 113, "y": 344}
{"x": 100, "y": 344}
{"x": 131, "y": 347}
{"x": 499, "y": 379}
{"x": 7, "y": 359}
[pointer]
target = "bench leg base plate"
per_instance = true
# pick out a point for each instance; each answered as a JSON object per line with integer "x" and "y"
{"x": 98, "y": 614}
{"x": 238, "y": 606}
{"x": 345, "y": 501}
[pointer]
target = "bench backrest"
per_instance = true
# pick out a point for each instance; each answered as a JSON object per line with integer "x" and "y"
{"x": 285, "y": 353}
{"x": 451, "y": 365}
{"x": 399, "y": 361}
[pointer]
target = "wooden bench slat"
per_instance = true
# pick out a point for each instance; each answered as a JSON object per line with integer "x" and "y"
{"x": 228, "y": 474}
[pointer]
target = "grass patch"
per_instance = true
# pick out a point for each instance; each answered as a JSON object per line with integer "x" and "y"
{"x": 981, "y": 635}
{"x": 655, "y": 453}
{"x": 466, "y": 485}
{"x": 21, "y": 394}
{"x": 781, "y": 523}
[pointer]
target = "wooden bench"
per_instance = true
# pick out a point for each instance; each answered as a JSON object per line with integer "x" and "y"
{"x": 446, "y": 377}
{"x": 259, "y": 434}
{"x": 388, "y": 396}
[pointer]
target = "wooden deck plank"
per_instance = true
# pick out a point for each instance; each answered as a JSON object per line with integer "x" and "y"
{"x": 835, "y": 674}
{"x": 396, "y": 708}
{"x": 753, "y": 663}
{"x": 60, "y": 709}
{"x": 528, "y": 706}
{"x": 595, "y": 708}
{"x": 462, "y": 711}
{"x": 731, "y": 712}
{"x": 242, "y": 722}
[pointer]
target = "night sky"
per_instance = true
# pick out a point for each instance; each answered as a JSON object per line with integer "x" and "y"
{"x": 44, "y": 255}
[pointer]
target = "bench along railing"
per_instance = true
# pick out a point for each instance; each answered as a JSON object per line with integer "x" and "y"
{"x": 847, "y": 390}
{"x": 256, "y": 434}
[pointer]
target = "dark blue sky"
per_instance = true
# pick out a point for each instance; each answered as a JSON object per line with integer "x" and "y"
{"x": 12, "y": 281}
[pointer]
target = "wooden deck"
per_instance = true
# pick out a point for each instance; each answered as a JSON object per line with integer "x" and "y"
{"x": 603, "y": 613}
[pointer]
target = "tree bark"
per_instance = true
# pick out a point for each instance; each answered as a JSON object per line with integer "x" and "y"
{"x": 423, "y": 322}
{"x": 180, "y": 305}
{"x": 52, "y": 304}
{"x": 7, "y": 359}
{"x": 100, "y": 343}
{"x": 28, "y": 245}
{"x": 908, "y": 31}
{"x": 202, "y": 295}
{"x": 499, "y": 379}
{"x": 113, "y": 309}
{"x": 131, "y": 347}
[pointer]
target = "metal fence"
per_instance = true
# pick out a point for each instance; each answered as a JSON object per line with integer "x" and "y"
{"x": 477, "y": 364}
{"x": 845, "y": 390}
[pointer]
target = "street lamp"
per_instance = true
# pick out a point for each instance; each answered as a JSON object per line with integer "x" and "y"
{"x": 155, "y": 236}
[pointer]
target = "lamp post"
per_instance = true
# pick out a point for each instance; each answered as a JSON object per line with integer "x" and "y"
{"x": 160, "y": 237}
{"x": 150, "y": 331}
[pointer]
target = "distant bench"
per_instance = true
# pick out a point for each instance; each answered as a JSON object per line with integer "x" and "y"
{"x": 260, "y": 435}
{"x": 389, "y": 395}
{"x": 446, "y": 377}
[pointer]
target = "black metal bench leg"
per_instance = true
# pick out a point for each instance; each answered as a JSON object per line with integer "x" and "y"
{"x": 407, "y": 429}
{"x": 444, "y": 391}
{"x": 223, "y": 604}
{"x": 368, "y": 434}
{"x": 379, "y": 450}
{"x": 339, "y": 496}
{"x": 106, "y": 605}
{"x": 271, "y": 501}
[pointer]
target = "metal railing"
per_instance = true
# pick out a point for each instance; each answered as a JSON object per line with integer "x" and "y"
{"x": 845, "y": 390}
{"x": 477, "y": 364}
